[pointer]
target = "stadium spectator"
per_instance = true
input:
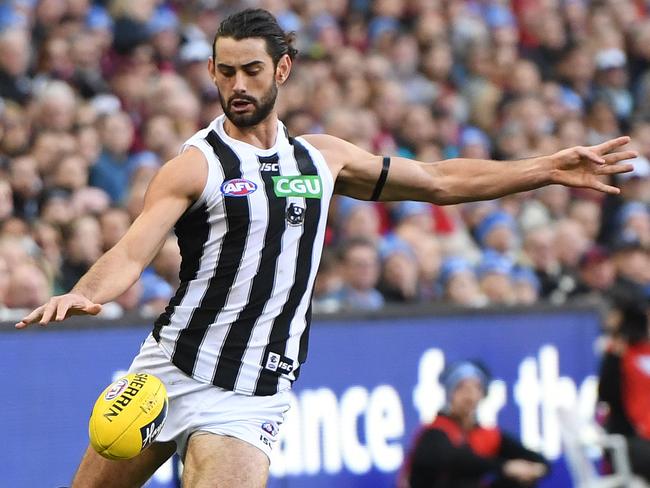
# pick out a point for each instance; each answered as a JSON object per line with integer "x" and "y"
{"x": 494, "y": 272}
{"x": 168, "y": 261}
{"x": 360, "y": 269}
{"x": 90, "y": 90}
{"x": 28, "y": 286}
{"x": 15, "y": 85}
{"x": 399, "y": 275}
{"x": 327, "y": 285}
{"x": 526, "y": 285}
{"x": 82, "y": 244}
{"x": 596, "y": 273}
{"x": 114, "y": 223}
{"x": 456, "y": 451}
{"x": 458, "y": 283}
{"x": 632, "y": 263}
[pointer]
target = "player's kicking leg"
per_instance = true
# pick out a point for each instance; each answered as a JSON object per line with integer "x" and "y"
{"x": 215, "y": 460}
{"x": 98, "y": 472}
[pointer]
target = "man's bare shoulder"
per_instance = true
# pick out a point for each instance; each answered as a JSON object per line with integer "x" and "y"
{"x": 323, "y": 141}
{"x": 326, "y": 142}
{"x": 336, "y": 151}
{"x": 186, "y": 174}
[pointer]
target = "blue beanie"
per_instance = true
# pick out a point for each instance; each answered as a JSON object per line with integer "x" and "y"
{"x": 462, "y": 371}
{"x": 493, "y": 220}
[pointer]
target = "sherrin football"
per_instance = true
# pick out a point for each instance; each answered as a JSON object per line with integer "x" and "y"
{"x": 128, "y": 416}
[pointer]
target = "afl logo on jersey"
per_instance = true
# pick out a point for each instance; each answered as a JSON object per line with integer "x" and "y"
{"x": 238, "y": 187}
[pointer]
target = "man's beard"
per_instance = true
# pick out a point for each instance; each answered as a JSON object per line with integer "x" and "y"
{"x": 261, "y": 109}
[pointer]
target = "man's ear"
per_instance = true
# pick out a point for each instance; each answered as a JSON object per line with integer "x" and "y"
{"x": 211, "y": 69}
{"x": 283, "y": 69}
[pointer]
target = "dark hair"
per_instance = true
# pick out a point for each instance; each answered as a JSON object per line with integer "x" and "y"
{"x": 257, "y": 23}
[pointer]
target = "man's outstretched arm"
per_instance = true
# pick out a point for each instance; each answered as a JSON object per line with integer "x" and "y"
{"x": 463, "y": 180}
{"x": 168, "y": 196}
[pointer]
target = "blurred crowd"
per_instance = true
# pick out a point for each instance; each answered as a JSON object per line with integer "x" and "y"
{"x": 95, "y": 96}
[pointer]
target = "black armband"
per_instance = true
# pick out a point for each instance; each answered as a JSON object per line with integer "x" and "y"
{"x": 382, "y": 179}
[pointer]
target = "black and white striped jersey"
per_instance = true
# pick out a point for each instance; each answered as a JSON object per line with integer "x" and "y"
{"x": 250, "y": 247}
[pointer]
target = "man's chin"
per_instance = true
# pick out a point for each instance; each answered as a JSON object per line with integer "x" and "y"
{"x": 243, "y": 119}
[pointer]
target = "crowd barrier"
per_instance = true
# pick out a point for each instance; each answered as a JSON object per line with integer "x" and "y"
{"x": 368, "y": 384}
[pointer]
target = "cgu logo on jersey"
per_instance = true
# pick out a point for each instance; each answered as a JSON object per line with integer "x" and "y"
{"x": 305, "y": 186}
{"x": 238, "y": 187}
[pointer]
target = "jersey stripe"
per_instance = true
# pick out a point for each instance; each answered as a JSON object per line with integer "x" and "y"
{"x": 267, "y": 383}
{"x": 192, "y": 231}
{"x": 234, "y": 242}
{"x": 234, "y": 347}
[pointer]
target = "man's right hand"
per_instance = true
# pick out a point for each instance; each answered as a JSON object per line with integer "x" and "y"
{"x": 523, "y": 471}
{"x": 59, "y": 308}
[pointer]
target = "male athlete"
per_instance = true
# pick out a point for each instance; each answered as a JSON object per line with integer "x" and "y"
{"x": 249, "y": 206}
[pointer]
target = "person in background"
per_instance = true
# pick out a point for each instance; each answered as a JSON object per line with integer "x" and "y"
{"x": 458, "y": 283}
{"x": 624, "y": 383}
{"x": 495, "y": 278}
{"x": 399, "y": 276}
{"x": 455, "y": 451}
{"x": 360, "y": 269}
{"x": 328, "y": 284}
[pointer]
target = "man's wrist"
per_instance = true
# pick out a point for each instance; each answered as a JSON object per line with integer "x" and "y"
{"x": 546, "y": 170}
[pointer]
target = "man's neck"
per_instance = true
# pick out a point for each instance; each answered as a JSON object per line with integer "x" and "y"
{"x": 262, "y": 135}
{"x": 466, "y": 422}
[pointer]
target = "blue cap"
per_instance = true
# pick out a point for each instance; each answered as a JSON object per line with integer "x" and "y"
{"x": 631, "y": 209}
{"x": 289, "y": 21}
{"x": 347, "y": 205}
{"x": 392, "y": 244}
{"x": 494, "y": 263}
{"x": 470, "y": 136}
{"x": 403, "y": 210}
{"x": 380, "y": 25}
{"x": 492, "y": 221}
{"x": 98, "y": 18}
{"x": 144, "y": 158}
{"x": 452, "y": 266}
{"x": 571, "y": 100}
{"x": 462, "y": 371}
{"x": 627, "y": 240}
{"x": 163, "y": 19}
{"x": 323, "y": 21}
{"x": 11, "y": 18}
{"x": 498, "y": 16}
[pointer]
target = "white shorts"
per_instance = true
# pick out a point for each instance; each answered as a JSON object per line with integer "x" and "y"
{"x": 202, "y": 407}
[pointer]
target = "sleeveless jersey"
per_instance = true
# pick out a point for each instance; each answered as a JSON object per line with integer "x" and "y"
{"x": 250, "y": 248}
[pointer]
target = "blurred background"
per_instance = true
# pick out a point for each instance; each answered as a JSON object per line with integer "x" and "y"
{"x": 96, "y": 96}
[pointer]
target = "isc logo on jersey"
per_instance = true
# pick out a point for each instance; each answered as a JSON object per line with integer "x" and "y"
{"x": 238, "y": 187}
{"x": 128, "y": 415}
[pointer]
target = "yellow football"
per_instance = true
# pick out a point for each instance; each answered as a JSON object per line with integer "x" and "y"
{"x": 128, "y": 416}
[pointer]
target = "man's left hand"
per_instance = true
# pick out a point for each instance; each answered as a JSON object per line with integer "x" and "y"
{"x": 582, "y": 166}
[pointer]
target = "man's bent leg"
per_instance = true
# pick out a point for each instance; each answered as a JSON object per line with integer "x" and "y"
{"x": 216, "y": 460}
{"x": 98, "y": 472}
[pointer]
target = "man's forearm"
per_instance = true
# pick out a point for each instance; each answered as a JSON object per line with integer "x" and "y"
{"x": 109, "y": 277}
{"x": 463, "y": 180}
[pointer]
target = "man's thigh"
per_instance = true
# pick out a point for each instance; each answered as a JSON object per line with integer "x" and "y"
{"x": 98, "y": 472}
{"x": 215, "y": 460}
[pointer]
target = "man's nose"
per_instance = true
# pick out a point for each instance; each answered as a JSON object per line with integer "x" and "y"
{"x": 240, "y": 83}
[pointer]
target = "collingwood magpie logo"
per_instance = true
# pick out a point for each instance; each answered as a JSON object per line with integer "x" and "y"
{"x": 295, "y": 214}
